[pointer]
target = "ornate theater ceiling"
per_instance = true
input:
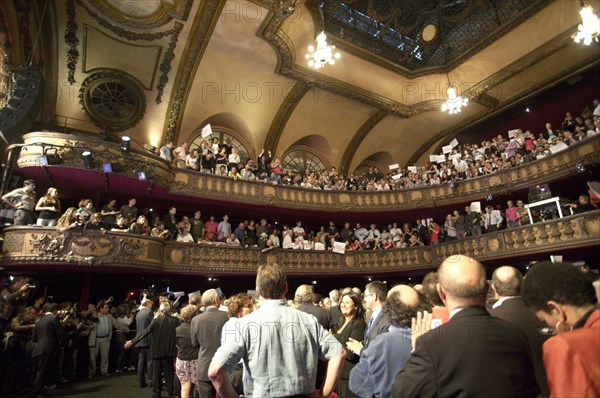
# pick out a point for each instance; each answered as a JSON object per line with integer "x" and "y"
{"x": 159, "y": 69}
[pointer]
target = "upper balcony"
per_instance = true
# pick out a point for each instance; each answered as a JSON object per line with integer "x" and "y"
{"x": 44, "y": 249}
{"x": 65, "y": 151}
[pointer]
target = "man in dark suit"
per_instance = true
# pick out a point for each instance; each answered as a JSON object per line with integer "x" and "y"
{"x": 474, "y": 354}
{"x": 206, "y": 334}
{"x": 142, "y": 321}
{"x": 334, "y": 312}
{"x": 506, "y": 283}
{"x": 374, "y": 297}
{"x": 164, "y": 348}
{"x": 303, "y": 299}
{"x": 46, "y": 335}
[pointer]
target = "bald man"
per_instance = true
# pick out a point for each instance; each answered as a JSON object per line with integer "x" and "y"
{"x": 506, "y": 284}
{"x": 304, "y": 302}
{"x": 379, "y": 363}
{"x": 474, "y": 354}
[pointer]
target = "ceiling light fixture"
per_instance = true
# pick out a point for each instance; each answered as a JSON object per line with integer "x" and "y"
{"x": 454, "y": 103}
{"x": 322, "y": 55}
{"x": 589, "y": 28}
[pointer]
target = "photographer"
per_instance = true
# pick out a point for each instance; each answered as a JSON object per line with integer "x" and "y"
{"x": 10, "y": 297}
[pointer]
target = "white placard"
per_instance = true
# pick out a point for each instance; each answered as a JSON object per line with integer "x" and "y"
{"x": 447, "y": 149}
{"x": 476, "y": 207}
{"x": 394, "y": 166}
{"x": 453, "y": 143}
{"x": 512, "y": 133}
{"x": 433, "y": 158}
{"x": 196, "y": 293}
{"x": 412, "y": 169}
{"x": 206, "y": 131}
{"x": 558, "y": 147}
{"x": 441, "y": 158}
{"x": 396, "y": 177}
{"x": 177, "y": 294}
{"x": 339, "y": 247}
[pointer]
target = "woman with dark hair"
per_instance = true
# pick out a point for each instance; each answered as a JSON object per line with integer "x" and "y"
{"x": 564, "y": 298}
{"x": 353, "y": 326}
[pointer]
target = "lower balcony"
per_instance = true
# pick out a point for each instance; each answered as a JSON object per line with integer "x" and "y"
{"x": 36, "y": 248}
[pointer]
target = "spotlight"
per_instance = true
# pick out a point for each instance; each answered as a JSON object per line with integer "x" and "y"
{"x": 88, "y": 160}
{"x": 43, "y": 160}
{"x": 451, "y": 184}
{"x": 125, "y": 143}
{"x": 580, "y": 167}
{"x": 489, "y": 197}
{"x": 141, "y": 175}
{"x": 107, "y": 167}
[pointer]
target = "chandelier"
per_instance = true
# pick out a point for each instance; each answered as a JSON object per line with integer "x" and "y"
{"x": 324, "y": 54}
{"x": 455, "y": 102}
{"x": 589, "y": 28}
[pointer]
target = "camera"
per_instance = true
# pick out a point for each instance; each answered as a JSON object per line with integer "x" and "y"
{"x": 32, "y": 286}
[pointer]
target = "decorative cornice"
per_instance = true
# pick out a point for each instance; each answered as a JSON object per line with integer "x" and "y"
{"x": 179, "y": 9}
{"x": 283, "y": 114}
{"x": 29, "y": 247}
{"x": 199, "y": 36}
{"x": 71, "y": 41}
{"x": 358, "y": 138}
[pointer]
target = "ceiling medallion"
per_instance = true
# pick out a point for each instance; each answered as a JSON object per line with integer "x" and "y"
{"x": 112, "y": 100}
{"x": 324, "y": 54}
{"x": 589, "y": 28}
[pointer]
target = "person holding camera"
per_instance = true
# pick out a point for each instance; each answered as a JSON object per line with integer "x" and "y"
{"x": 10, "y": 297}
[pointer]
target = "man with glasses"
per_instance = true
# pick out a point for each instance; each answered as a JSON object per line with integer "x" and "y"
{"x": 374, "y": 297}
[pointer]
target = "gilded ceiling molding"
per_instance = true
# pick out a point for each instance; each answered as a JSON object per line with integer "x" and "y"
{"x": 358, "y": 138}
{"x": 283, "y": 114}
{"x": 199, "y": 36}
{"x": 168, "y": 10}
{"x": 481, "y": 116}
{"x": 71, "y": 41}
{"x": 165, "y": 65}
{"x": 361, "y": 49}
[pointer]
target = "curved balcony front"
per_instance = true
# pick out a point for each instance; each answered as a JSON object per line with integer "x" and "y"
{"x": 35, "y": 248}
{"x": 68, "y": 149}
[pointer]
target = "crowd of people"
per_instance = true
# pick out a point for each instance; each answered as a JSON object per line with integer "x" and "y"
{"x": 463, "y": 161}
{"x": 454, "y": 334}
{"x": 265, "y": 235}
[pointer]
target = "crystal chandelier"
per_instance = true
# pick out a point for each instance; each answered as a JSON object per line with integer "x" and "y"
{"x": 589, "y": 28}
{"x": 455, "y": 102}
{"x": 323, "y": 54}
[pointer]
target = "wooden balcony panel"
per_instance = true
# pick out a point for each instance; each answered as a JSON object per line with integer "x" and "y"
{"x": 25, "y": 247}
{"x": 190, "y": 183}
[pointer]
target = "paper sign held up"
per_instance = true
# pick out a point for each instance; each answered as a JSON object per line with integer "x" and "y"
{"x": 453, "y": 143}
{"x": 447, "y": 149}
{"x": 394, "y": 166}
{"x": 206, "y": 131}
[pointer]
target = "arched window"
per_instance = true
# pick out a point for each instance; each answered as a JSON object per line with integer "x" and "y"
{"x": 223, "y": 137}
{"x": 300, "y": 160}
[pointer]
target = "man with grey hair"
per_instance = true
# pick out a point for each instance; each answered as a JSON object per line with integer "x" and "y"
{"x": 334, "y": 312}
{"x": 205, "y": 332}
{"x": 303, "y": 298}
{"x": 164, "y": 348}
{"x": 383, "y": 359}
{"x": 506, "y": 284}
{"x": 474, "y": 354}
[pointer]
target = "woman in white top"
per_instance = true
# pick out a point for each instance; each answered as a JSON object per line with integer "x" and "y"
{"x": 288, "y": 242}
{"x": 233, "y": 159}
{"x": 185, "y": 236}
{"x": 191, "y": 160}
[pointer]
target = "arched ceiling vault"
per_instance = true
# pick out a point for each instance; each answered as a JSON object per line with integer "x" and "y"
{"x": 198, "y": 58}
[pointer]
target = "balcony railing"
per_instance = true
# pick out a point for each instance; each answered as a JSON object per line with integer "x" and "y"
{"x": 28, "y": 247}
{"x": 191, "y": 183}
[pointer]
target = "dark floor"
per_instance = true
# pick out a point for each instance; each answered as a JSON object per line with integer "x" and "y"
{"x": 124, "y": 385}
